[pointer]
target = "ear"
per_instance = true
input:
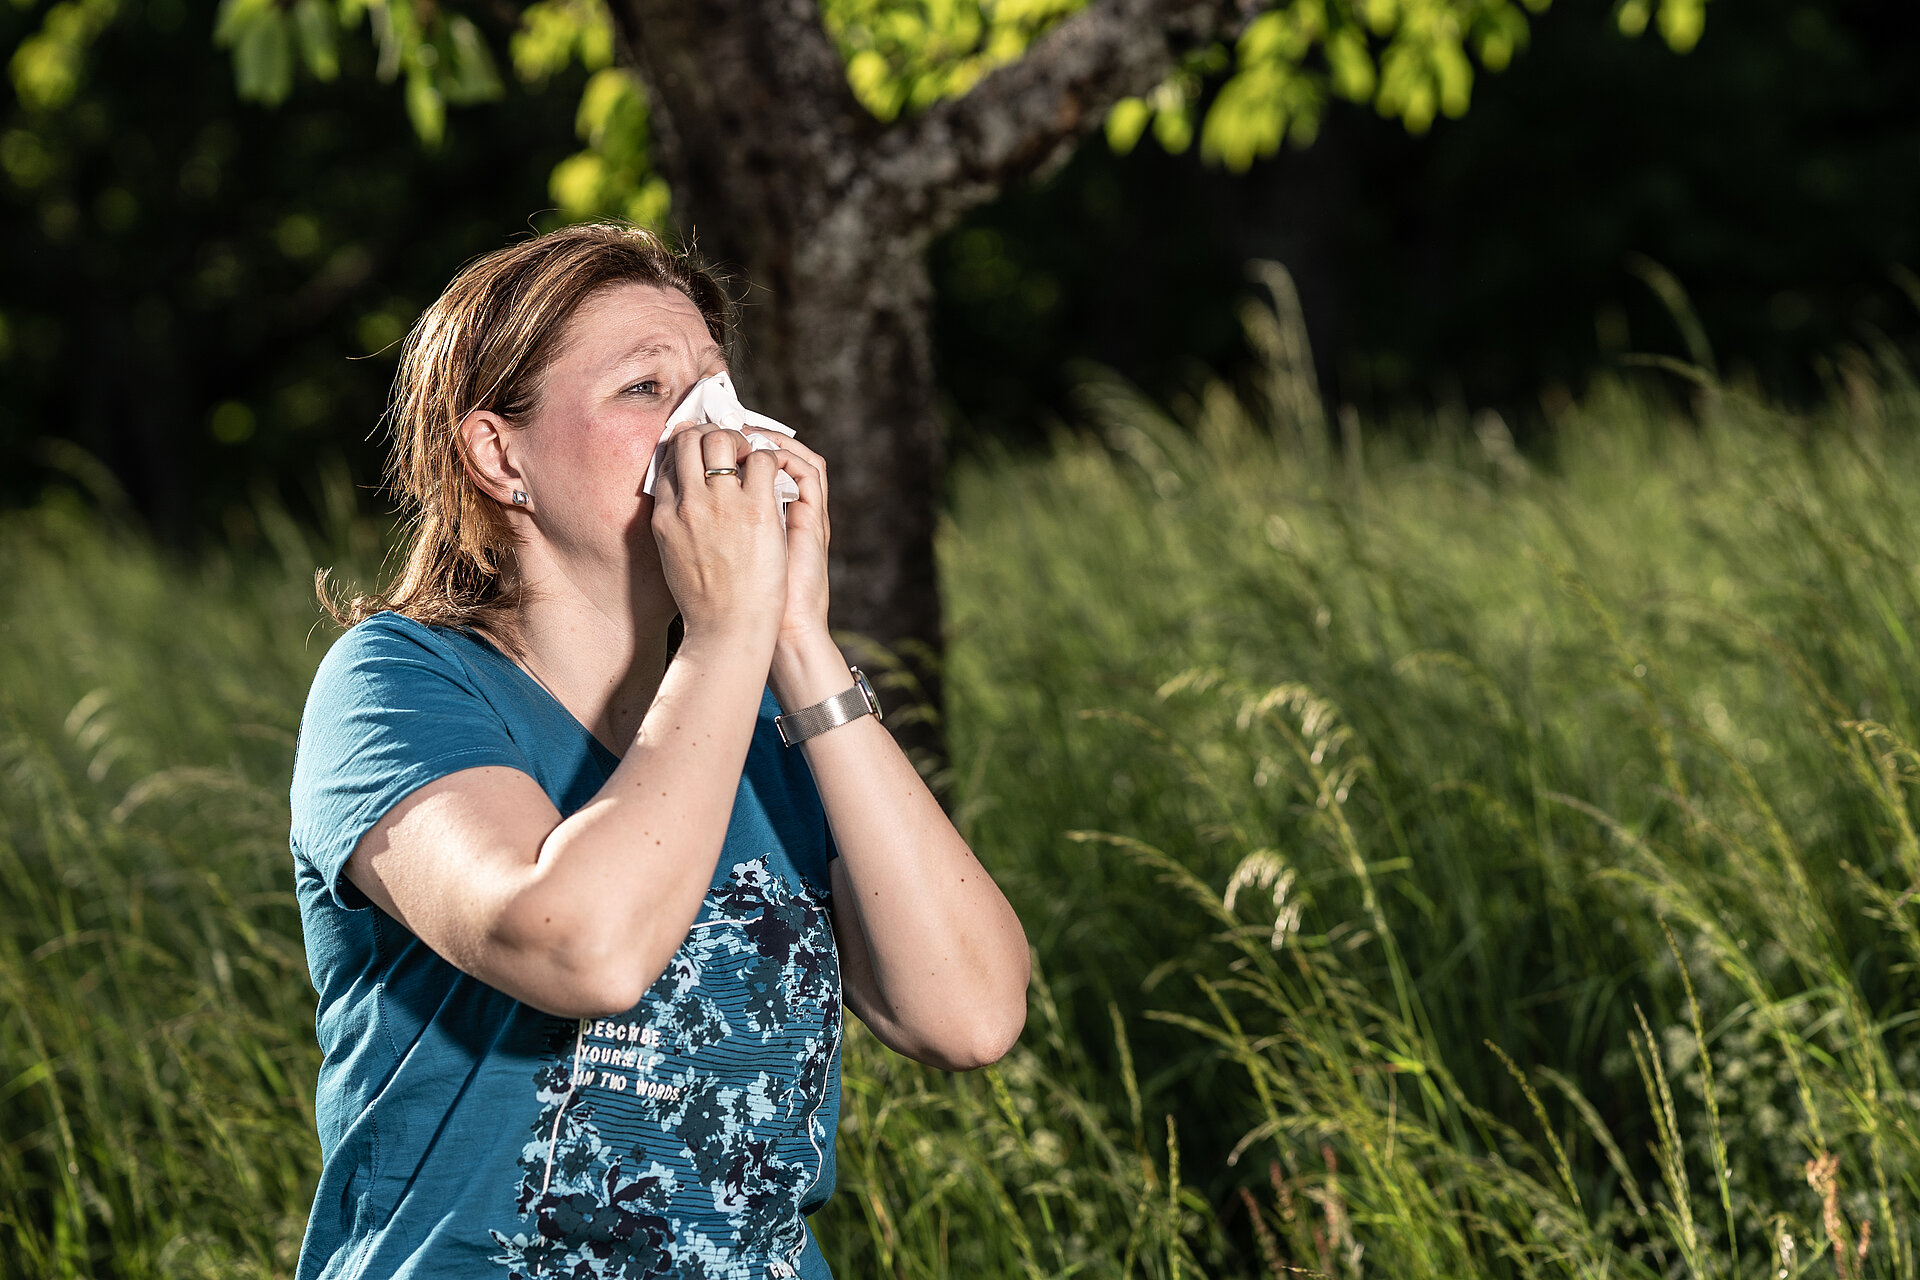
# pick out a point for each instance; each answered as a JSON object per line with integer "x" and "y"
{"x": 487, "y": 438}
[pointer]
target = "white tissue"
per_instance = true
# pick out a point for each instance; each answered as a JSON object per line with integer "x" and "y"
{"x": 713, "y": 400}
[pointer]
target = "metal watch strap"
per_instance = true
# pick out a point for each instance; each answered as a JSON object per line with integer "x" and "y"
{"x": 798, "y": 726}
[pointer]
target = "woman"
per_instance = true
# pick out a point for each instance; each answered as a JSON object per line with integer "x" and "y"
{"x": 579, "y": 922}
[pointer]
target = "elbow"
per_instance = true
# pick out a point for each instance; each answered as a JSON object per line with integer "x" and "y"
{"x": 994, "y": 1030}
{"x": 573, "y": 985}
{"x": 996, "y": 1042}
{"x": 587, "y": 994}
{"x": 983, "y": 1049}
{"x": 572, "y": 966}
{"x": 985, "y": 1040}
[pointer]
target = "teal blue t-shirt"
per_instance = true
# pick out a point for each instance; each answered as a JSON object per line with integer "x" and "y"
{"x": 465, "y": 1134}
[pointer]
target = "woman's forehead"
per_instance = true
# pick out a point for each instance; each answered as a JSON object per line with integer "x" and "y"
{"x": 637, "y": 321}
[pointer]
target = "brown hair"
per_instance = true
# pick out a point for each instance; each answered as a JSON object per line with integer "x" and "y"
{"x": 485, "y": 344}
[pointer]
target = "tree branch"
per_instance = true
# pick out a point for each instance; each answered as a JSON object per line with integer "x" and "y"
{"x": 934, "y": 166}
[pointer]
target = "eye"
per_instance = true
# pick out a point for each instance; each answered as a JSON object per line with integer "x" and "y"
{"x": 645, "y": 387}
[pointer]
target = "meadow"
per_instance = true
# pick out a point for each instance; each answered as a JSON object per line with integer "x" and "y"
{"x": 1440, "y": 862}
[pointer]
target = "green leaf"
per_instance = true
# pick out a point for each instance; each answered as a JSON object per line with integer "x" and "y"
{"x": 233, "y": 17}
{"x": 1380, "y": 16}
{"x": 470, "y": 74}
{"x": 46, "y": 65}
{"x": 1248, "y": 119}
{"x": 426, "y": 108}
{"x": 576, "y": 183}
{"x": 874, "y": 84}
{"x": 395, "y": 34}
{"x": 609, "y": 96}
{"x": 1350, "y": 66}
{"x": 1126, "y": 122}
{"x": 263, "y": 57}
{"x": 1173, "y": 128}
{"x": 649, "y": 206}
{"x": 552, "y": 33}
{"x": 613, "y": 176}
{"x": 909, "y": 54}
{"x": 1453, "y": 76}
{"x": 1412, "y": 59}
{"x": 1681, "y": 22}
{"x": 314, "y": 23}
{"x": 26, "y": 158}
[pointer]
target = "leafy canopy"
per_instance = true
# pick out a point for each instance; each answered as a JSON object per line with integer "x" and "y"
{"x": 1411, "y": 59}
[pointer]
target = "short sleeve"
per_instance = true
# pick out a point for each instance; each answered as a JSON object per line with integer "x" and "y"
{"x": 392, "y": 708}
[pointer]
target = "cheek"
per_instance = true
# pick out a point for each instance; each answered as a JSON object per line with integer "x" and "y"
{"x": 606, "y": 473}
{"x": 624, "y": 442}
{"x": 600, "y": 516}
{"x": 605, "y": 457}
{"x": 589, "y": 464}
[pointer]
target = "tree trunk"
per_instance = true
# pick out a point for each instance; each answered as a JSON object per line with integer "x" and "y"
{"x": 779, "y": 175}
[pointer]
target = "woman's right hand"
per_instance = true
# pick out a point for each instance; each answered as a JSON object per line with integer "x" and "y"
{"x": 723, "y": 548}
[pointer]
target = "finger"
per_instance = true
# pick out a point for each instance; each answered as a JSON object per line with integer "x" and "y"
{"x": 722, "y": 448}
{"x": 757, "y": 471}
{"x": 819, "y": 464}
{"x": 808, "y": 478}
{"x": 683, "y": 462}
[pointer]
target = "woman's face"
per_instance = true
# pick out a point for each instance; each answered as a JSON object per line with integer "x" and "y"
{"x": 630, "y": 353}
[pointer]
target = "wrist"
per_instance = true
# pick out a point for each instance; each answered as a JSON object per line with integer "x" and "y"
{"x": 806, "y": 669}
{"x": 730, "y": 639}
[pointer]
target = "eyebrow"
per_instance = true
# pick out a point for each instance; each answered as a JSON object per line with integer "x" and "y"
{"x": 660, "y": 349}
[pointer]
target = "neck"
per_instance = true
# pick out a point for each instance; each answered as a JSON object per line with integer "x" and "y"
{"x": 599, "y": 648}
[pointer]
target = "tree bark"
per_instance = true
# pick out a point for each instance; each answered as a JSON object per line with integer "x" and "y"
{"x": 779, "y": 175}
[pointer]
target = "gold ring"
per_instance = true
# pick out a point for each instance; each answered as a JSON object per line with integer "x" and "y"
{"x": 722, "y": 471}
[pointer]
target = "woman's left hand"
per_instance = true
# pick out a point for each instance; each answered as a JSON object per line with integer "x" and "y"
{"x": 805, "y": 615}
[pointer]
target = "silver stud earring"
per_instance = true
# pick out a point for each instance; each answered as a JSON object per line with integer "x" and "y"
{"x": 519, "y": 497}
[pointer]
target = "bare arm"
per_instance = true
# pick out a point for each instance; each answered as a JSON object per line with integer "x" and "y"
{"x": 933, "y": 958}
{"x": 576, "y": 917}
{"x": 579, "y": 917}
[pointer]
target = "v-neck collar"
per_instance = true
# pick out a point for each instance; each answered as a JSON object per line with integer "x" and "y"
{"x": 526, "y": 677}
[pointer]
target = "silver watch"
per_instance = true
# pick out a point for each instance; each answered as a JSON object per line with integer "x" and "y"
{"x": 798, "y": 726}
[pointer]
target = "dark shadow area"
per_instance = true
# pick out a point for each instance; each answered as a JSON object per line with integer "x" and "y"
{"x": 203, "y": 293}
{"x": 1773, "y": 170}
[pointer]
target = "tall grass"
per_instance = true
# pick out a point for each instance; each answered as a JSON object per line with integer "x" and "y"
{"x": 1440, "y": 862}
{"x": 1445, "y": 803}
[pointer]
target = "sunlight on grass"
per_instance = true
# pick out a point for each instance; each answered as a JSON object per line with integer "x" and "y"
{"x": 1395, "y": 826}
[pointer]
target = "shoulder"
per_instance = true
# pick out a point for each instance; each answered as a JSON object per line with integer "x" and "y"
{"x": 394, "y": 704}
{"x": 389, "y": 652}
{"x": 392, "y": 685}
{"x": 391, "y": 636}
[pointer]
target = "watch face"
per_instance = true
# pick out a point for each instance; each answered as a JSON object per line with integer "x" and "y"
{"x": 866, "y": 691}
